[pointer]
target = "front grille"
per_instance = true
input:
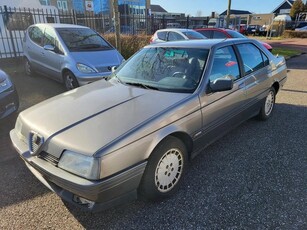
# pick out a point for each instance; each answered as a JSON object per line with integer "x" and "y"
{"x": 103, "y": 69}
{"x": 50, "y": 158}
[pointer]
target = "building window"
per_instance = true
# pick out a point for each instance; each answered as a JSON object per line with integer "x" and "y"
{"x": 62, "y": 5}
{"x": 45, "y": 2}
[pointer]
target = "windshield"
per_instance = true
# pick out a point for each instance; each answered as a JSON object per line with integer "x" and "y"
{"x": 82, "y": 39}
{"x": 235, "y": 34}
{"x": 164, "y": 68}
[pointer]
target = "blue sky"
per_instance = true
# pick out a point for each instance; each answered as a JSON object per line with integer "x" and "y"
{"x": 207, "y": 6}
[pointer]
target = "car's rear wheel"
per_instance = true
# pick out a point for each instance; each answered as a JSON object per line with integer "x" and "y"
{"x": 164, "y": 170}
{"x": 28, "y": 67}
{"x": 70, "y": 81}
{"x": 267, "y": 105}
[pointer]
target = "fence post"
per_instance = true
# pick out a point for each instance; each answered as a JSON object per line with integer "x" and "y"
{"x": 74, "y": 19}
{"x": 6, "y": 13}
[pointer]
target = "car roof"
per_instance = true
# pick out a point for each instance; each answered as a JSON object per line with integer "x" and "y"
{"x": 60, "y": 25}
{"x": 200, "y": 43}
{"x": 176, "y": 29}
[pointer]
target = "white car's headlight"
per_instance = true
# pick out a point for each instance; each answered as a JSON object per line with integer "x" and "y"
{"x": 84, "y": 166}
{"x": 85, "y": 69}
{"x": 5, "y": 84}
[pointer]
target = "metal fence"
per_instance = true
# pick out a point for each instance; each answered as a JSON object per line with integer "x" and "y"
{"x": 14, "y": 21}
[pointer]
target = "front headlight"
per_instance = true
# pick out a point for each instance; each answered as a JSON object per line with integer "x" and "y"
{"x": 84, "y": 166}
{"x": 5, "y": 84}
{"x": 85, "y": 69}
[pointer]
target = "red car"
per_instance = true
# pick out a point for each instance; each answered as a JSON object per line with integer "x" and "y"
{"x": 213, "y": 33}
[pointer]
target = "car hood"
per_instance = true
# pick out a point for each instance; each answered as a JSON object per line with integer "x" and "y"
{"x": 88, "y": 118}
{"x": 98, "y": 59}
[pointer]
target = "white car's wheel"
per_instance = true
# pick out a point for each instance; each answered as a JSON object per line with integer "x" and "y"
{"x": 268, "y": 105}
{"x": 28, "y": 68}
{"x": 165, "y": 168}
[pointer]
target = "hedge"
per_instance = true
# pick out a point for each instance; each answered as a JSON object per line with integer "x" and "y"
{"x": 129, "y": 43}
{"x": 295, "y": 34}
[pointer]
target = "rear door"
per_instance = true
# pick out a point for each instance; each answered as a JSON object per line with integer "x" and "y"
{"x": 256, "y": 68}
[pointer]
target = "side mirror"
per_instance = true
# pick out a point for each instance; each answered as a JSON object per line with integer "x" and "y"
{"x": 49, "y": 48}
{"x": 221, "y": 84}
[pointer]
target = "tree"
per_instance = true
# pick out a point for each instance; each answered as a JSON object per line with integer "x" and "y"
{"x": 228, "y": 13}
{"x": 297, "y": 7}
{"x": 116, "y": 25}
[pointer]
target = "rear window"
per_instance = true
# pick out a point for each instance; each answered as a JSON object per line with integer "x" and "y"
{"x": 235, "y": 34}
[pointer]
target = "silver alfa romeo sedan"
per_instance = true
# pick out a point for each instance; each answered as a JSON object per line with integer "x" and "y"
{"x": 134, "y": 133}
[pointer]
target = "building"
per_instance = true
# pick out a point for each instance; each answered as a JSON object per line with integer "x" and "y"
{"x": 158, "y": 11}
{"x": 284, "y": 7}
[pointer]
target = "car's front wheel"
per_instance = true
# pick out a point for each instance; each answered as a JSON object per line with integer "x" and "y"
{"x": 70, "y": 81}
{"x": 267, "y": 105}
{"x": 28, "y": 67}
{"x": 164, "y": 170}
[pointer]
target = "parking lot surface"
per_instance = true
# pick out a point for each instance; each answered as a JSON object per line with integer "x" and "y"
{"x": 252, "y": 178}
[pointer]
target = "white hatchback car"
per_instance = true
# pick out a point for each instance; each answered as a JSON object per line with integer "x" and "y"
{"x": 165, "y": 35}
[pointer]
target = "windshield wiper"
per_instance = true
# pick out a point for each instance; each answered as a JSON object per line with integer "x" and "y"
{"x": 144, "y": 86}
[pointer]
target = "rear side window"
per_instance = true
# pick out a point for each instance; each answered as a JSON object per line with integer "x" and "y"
{"x": 173, "y": 36}
{"x": 225, "y": 64}
{"x": 162, "y": 35}
{"x": 253, "y": 58}
{"x": 36, "y": 35}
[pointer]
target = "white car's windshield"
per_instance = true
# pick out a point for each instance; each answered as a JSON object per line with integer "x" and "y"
{"x": 164, "y": 68}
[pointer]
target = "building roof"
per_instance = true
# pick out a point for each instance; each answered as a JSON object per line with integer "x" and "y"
{"x": 157, "y": 8}
{"x": 285, "y": 2}
{"x": 236, "y": 12}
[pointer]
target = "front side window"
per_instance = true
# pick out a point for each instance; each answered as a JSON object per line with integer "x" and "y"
{"x": 206, "y": 33}
{"x": 165, "y": 69}
{"x": 82, "y": 39}
{"x": 252, "y": 57}
{"x": 225, "y": 64}
{"x": 50, "y": 38}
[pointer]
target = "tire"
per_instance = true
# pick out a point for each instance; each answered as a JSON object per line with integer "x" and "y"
{"x": 164, "y": 170}
{"x": 268, "y": 105}
{"x": 28, "y": 67}
{"x": 70, "y": 81}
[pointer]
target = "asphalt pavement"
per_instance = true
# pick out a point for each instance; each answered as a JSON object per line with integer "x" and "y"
{"x": 252, "y": 178}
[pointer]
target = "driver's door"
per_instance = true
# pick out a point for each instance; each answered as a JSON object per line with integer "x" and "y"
{"x": 221, "y": 110}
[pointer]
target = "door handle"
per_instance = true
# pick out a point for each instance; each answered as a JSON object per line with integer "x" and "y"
{"x": 241, "y": 86}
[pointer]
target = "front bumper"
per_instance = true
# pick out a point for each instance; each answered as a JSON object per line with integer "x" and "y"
{"x": 101, "y": 194}
{"x": 9, "y": 102}
{"x": 84, "y": 79}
